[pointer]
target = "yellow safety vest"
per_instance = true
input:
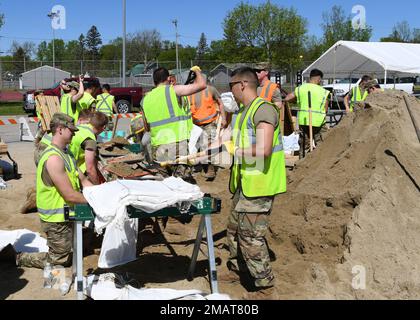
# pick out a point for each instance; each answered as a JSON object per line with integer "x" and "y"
{"x": 319, "y": 97}
{"x": 85, "y": 132}
{"x": 104, "y": 104}
{"x": 49, "y": 201}
{"x": 261, "y": 178}
{"x": 86, "y": 101}
{"x": 69, "y": 108}
{"x": 47, "y": 139}
{"x": 357, "y": 97}
{"x": 167, "y": 120}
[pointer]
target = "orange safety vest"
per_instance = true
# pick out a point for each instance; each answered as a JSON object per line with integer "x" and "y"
{"x": 206, "y": 112}
{"x": 267, "y": 91}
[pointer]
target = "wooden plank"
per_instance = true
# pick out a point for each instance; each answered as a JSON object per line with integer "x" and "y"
{"x": 40, "y": 101}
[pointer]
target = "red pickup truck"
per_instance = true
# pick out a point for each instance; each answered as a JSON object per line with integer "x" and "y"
{"x": 125, "y": 98}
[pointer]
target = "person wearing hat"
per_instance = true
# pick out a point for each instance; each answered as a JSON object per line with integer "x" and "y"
{"x": 374, "y": 87}
{"x": 268, "y": 90}
{"x": 84, "y": 145}
{"x": 357, "y": 94}
{"x": 69, "y": 100}
{"x": 58, "y": 189}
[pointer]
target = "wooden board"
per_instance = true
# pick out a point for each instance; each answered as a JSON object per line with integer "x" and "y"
{"x": 3, "y": 148}
{"x": 47, "y": 107}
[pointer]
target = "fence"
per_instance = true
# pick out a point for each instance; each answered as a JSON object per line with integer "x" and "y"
{"x": 110, "y": 71}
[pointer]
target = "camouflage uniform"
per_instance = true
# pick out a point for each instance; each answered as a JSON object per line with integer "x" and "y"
{"x": 60, "y": 243}
{"x": 169, "y": 152}
{"x": 249, "y": 237}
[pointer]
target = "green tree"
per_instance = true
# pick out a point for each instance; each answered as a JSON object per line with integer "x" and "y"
{"x": 337, "y": 26}
{"x": 42, "y": 51}
{"x": 202, "y": 49}
{"x": 266, "y": 32}
{"x": 93, "y": 41}
{"x": 144, "y": 46}
{"x": 82, "y": 47}
{"x": 402, "y": 32}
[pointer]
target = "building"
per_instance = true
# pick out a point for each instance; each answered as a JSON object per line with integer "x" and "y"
{"x": 42, "y": 78}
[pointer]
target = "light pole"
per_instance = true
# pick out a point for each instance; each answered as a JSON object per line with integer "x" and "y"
{"x": 1, "y": 71}
{"x": 175, "y": 22}
{"x": 53, "y": 15}
{"x": 124, "y": 67}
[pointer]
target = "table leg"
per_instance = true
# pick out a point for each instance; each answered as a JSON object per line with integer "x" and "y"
{"x": 211, "y": 256}
{"x": 79, "y": 259}
{"x": 196, "y": 249}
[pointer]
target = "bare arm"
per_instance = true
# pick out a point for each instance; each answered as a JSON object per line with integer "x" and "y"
{"x": 290, "y": 97}
{"x": 91, "y": 166}
{"x": 347, "y": 102}
{"x": 55, "y": 167}
{"x": 79, "y": 95}
{"x": 223, "y": 113}
{"x": 264, "y": 146}
{"x": 187, "y": 90}
{"x": 114, "y": 106}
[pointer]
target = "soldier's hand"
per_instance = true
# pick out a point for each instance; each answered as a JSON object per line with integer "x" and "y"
{"x": 230, "y": 147}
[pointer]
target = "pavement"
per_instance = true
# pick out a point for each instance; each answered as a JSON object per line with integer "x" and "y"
{"x": 10, "y": 132}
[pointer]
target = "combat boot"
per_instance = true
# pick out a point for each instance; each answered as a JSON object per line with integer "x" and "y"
{"x": 268, "y": 293}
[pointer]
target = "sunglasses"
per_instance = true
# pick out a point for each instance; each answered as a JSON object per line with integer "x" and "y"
{"x": 232, "y": 84}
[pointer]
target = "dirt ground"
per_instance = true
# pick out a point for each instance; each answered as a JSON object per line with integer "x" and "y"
{"x": 351, "y": 205}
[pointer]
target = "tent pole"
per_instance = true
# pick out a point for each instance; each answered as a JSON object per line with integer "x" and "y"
{"x": 386, "y": 75}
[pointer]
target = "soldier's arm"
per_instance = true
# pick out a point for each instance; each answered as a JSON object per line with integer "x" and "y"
{"x": 290, "y": 97}
{"x": 91, "y": 166}
{"x": 81, "y": 92}
{"x": 114, "y": 106}
{"x": 187, "y": 90}
{"x": 57, "y": 172}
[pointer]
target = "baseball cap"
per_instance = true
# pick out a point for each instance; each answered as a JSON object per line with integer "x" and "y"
{"x": 62, "y": 119}
{"x": 74, "y": 84}
{"x": 262, "y": 66}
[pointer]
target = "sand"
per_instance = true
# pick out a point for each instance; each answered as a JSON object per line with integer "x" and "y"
{"x": 350, "y": 206}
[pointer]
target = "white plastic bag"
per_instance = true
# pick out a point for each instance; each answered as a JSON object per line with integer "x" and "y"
{"x": 229, "y": 102}
{"x": 195, "y": 136}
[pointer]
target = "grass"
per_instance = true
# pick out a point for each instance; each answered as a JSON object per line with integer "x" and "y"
{"x": 11, "y": 109}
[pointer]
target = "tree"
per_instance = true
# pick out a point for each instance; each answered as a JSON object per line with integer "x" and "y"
{"x": 402, "y": 32}
{"x": 266, "y": 32}
{"x": 145, "y": 45}
{"x": 93, "y": 41}
{"x": 42, "y": 51}
{"x": 202, "y": 49}
{"x": 2, "y": 20}
{"x": 337, "y": 26}
{"x": 82, "y": 47}
{"x": 22, "y": 54}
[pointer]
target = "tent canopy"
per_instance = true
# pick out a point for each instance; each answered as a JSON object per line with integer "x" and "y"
{"x": 352, "y": 59}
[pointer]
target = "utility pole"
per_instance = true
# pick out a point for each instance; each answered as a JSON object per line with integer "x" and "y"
{"x": 53, "y": 15}
{"x": 124, "y": 67}
{"x": 175, "y": 22}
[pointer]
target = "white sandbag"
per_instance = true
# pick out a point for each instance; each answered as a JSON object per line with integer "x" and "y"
{"x": 291, "y": 143}
{"x": 23, "y": 241}
{"x": 194, "y": 138}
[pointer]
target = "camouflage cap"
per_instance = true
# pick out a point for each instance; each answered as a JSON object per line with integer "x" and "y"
{"x": 74, "y": 84}
{"x": 62, "y": 119}
{"x": 263, "y": 66}
{"x": 370, "y": 84}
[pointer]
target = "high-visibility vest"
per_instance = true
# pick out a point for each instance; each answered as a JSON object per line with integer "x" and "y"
{"x": 167, "y": 120}
{"x": 49, "y": 201}
{"x": 319, "y": 97}
{"x": 187, "y": 108}
{"x": 206, "y": 112}
{"x": 357, "y": 97}
{"x": 268, "y": 90}
{"x": 85, "y": 132}
{"x": 104, "y": 104}
{"x": 47, "y": 139}
{"x": 69, "y": 108}
{"x": 264, "y": 177}
{"x": 86, "y": 101}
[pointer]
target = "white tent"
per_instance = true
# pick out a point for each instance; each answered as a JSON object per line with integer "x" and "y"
{"x": 351, "y": 59}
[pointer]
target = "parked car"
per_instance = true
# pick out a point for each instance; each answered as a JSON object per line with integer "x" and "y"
{"x": 125, "y": 98}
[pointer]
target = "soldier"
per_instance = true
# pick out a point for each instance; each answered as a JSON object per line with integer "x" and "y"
{"x": 58, "y": 186}
{"x": 106, "y": 105}
{"x": 258, "y": 175}
{"x": 70, "y": 98}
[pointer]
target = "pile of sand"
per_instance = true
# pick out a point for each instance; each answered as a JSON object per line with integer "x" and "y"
{"x": 351, "y": 205}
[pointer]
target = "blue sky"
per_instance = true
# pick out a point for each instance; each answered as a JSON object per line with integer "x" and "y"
{"x": 28, "y": 21}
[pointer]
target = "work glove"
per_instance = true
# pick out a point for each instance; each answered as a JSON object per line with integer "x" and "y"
{"x": 196, "y": 69}
{"x": 230, "y": 147}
